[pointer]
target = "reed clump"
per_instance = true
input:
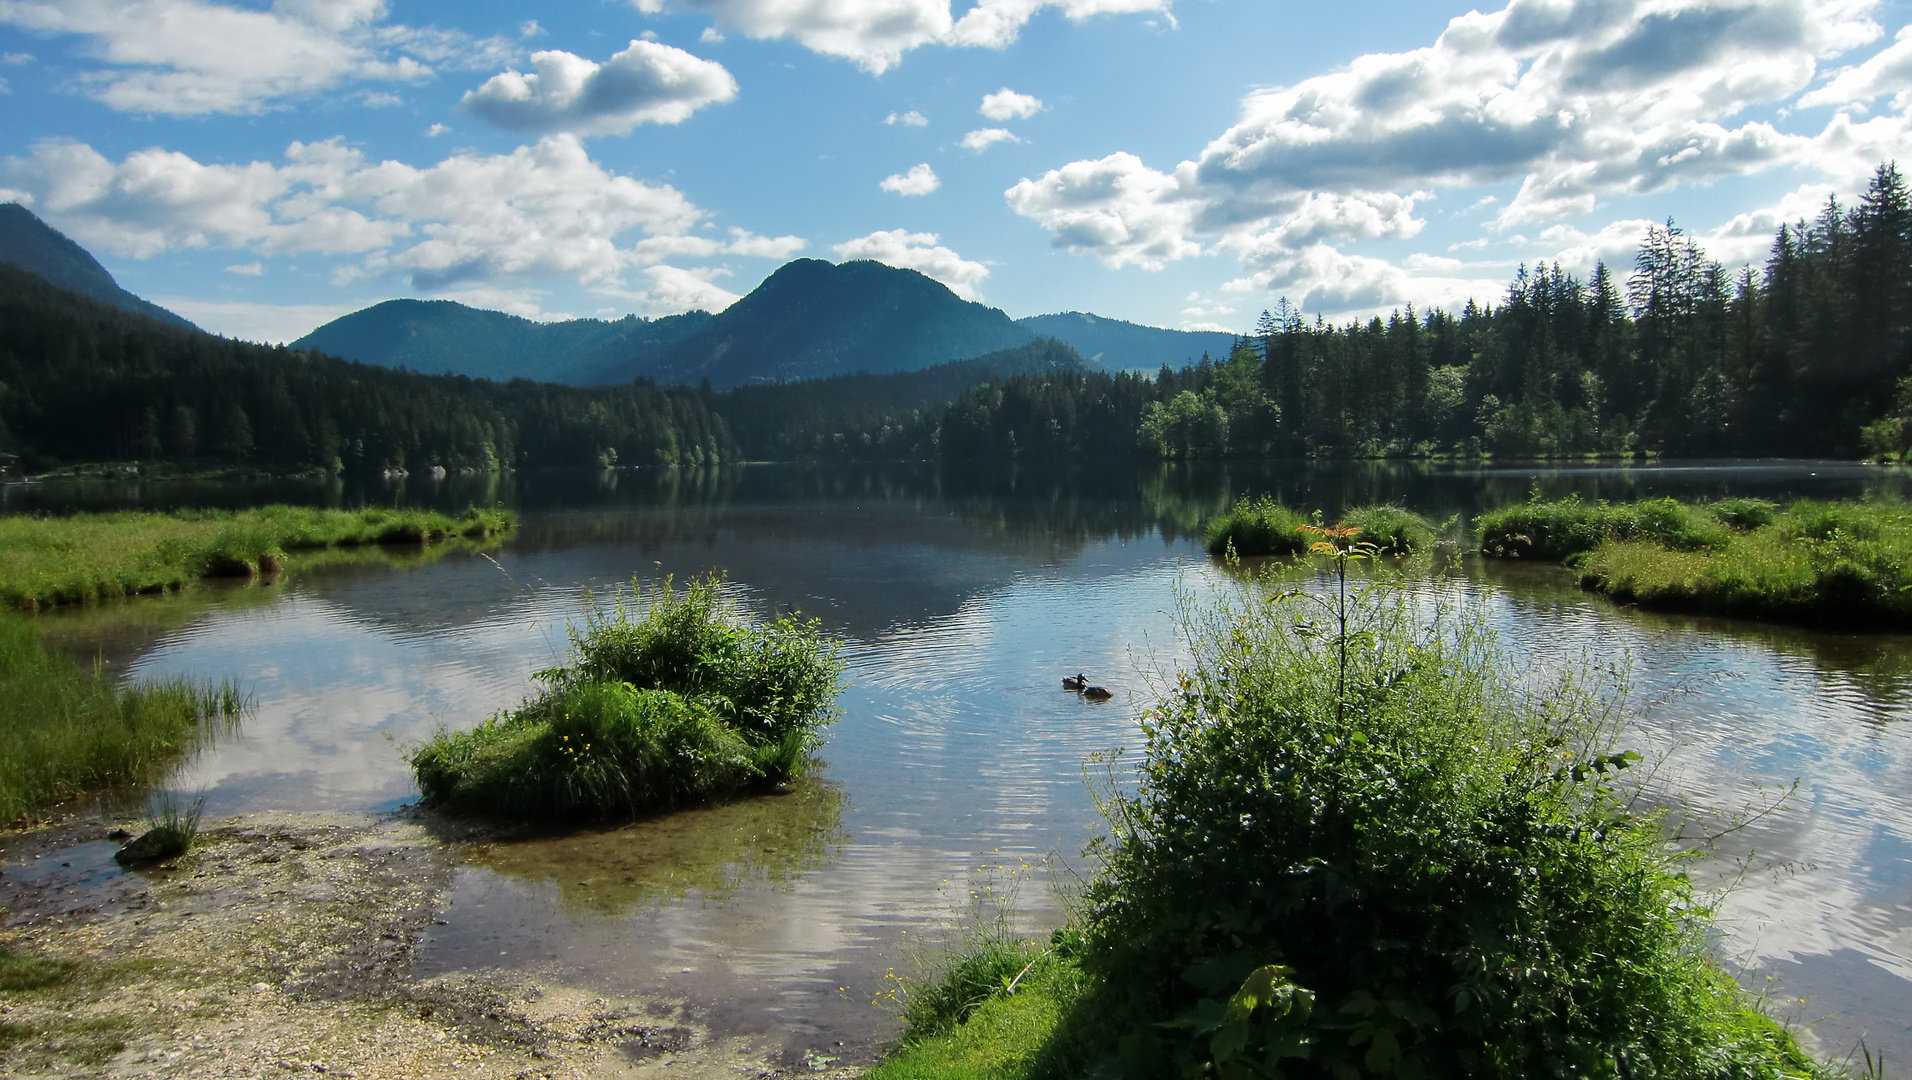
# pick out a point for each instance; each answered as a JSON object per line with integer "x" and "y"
{"x": 1261, "y": 527}
{"x": 65, "y": 731}
{"x": 679, "y": 704}
{"x": 1396, "y": 859}
{"x": 47, "y": 561}
{"x": 1819, "y": 561}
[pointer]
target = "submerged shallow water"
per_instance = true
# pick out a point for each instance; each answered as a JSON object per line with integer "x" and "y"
{"x": 958, "y": 764}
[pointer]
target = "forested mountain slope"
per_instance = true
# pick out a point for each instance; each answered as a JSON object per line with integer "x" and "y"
{"x": 436, "y": 336}
{"x": 812, "y": 319}
{"x": 82, "y": 381}
{"x": 32, "y": 244}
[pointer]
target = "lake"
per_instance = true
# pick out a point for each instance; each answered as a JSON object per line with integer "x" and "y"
{"x": 962, "y": 597}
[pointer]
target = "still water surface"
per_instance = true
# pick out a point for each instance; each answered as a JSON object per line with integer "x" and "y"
{"x": 962, "y": 601}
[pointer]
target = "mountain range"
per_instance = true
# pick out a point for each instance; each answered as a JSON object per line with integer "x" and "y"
{"x": 810, "y": 319}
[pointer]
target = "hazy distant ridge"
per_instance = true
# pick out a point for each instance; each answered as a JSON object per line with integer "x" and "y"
{"x": 1114, "y": 345}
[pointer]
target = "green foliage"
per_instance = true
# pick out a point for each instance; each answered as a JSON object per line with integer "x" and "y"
{"x": 65, "y": 732}
{"x": 1004, "y": 1036}
{"x": 1258, "y": 527}
{"x": 1836, "y": 562}
{"x": 171, "y": 827}
{"x": 1186, "y": 426}
{"x": 1264, "y": 527}
{"x": 678, "y": 705}
{"x": 62, "y": 560}
{"x": 1392, "y": 860}
{"x": 1569, "y": 527}
{"x": 1391, "y": 529}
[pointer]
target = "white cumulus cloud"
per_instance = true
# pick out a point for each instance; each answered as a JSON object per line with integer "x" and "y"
{"x": 919, "y": 252}
{"x": 874, "y": 34}
{"x": 191, "y": 57}
{"x": 920, "y": 180}
{"x": 471, "y": 220}
{"x": 1569, "y": 101}
{"x": 983, "y": 138}
{"x": 908, "y": 119}
{"x": 646, "y": 83}
{"x": 1006, "y": 104}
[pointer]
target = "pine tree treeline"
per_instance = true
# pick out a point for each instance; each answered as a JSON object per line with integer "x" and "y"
{"x": 81, "y": 381}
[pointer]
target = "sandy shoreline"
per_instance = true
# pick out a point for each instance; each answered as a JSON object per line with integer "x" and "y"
{"x": 284, "y": 943}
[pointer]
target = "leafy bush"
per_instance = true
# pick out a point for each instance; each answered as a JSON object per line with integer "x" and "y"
{"x": 678, "y": 706}
{"x": 1429, "y": 873}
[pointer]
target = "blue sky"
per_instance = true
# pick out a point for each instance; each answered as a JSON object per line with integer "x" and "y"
{"x": 262, "y": 167}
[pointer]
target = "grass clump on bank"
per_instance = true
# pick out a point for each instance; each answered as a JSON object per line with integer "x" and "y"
{"x": 1262, "y": 527}
{"x": 1845, "y": 562}
{"x": 681, "y": 705}
{"x": 1390, "y": 859}
{"x": 46, "y": 561}
{"x": 1567, "y": 527}
{"x": 65, "y": 732}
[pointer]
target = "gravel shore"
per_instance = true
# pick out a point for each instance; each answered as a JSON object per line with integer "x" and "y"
{"x": 283, "y": 944}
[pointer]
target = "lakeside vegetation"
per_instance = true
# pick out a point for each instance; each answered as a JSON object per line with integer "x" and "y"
{"x": 46, "y": 561}
{"x": 66, "y": 731}
{"x": 1396, "y": 859}
{"x": 674, "y": 702}
{"x": 1843, "y": 562}
{"x": 1258, "y": 527}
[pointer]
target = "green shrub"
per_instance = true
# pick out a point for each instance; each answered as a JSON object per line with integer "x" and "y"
{"x": 1429, "y": 873}
{"x": 65, "y": 732}
{"x": 678, "y": 706}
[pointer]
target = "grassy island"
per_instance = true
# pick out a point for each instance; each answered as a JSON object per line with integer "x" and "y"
{"x": 681, "y": 705}
{"x": 46, "y": 561}
{"x": 1388, "y": 860}
{"x": 1843, "y": 562}
{"x": 1264, "y": 527}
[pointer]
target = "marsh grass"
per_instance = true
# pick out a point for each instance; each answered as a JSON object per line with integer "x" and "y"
{"x": 172, "y": 827}
{"x": 66, "y": 731}
{"x": 1848, "y": 563}
{"x": 1262, "y": 527}
{"x": 674, "y": 703}
{"x": 46, "y": 561}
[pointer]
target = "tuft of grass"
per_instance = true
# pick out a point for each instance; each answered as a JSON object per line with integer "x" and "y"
{"x": 21, "y": 972}
{"x": 1264, "y": 527}
{"x": 1568, "y": 527}
{"x": 171, "y": 830}
{"x": 65, "y": 732}
{"x": 1258, "y": 527}
{"x": 1001, "y": 1037}
{"x": 681, "y": 705}
{"x": 1831, "y": 562}
{"x": 1391, "y": 529}
{"x": 47, "y": 561}
{"x": 1848, "y": 563}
